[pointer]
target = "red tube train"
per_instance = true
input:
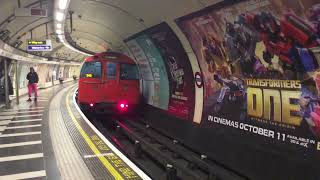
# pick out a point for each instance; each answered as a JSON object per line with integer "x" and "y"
{"x": 109, "y": 82}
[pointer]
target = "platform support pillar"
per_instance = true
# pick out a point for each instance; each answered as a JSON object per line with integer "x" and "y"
{"x": 6, "y": 83}
{"x": 17, "y": 81}
{"x": 52, "y": 79}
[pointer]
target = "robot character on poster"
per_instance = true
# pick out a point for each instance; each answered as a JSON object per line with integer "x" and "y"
{"x": 261, "y": 60}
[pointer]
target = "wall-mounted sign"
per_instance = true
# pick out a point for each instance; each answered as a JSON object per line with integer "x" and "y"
{"x": 198, "y": 79}
{"x": 33, "y": 42}
{"x": 39, "y": 45}
{"x": 27, "y": 12}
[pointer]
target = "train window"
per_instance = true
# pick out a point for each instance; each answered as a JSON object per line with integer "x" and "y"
{"x": 91, "y": 70}
{"x": 129, "y": 72}
{"x": 111, "y": 70}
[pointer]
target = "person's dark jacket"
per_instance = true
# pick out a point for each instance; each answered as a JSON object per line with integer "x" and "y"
{"x": 33, "y": 77}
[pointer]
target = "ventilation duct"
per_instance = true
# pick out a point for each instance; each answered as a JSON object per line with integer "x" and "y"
{"x": 4, "y": 35}
{"x": 17, "y": 44}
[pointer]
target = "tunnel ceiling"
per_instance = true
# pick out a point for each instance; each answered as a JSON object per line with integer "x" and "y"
{"x": 97, "y": 25}
{"x": 111, "y": 21}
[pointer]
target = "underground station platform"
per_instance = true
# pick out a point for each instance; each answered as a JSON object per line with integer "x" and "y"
{"x": 168, "y": 89}
{"x": 52, "y": 139}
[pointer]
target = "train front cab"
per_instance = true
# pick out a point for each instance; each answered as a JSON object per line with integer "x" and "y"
{"x": 109, "y": 84}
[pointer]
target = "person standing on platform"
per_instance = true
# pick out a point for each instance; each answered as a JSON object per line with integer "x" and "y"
{"x": 61, "y": 77}
{"x": 33, "y": 79}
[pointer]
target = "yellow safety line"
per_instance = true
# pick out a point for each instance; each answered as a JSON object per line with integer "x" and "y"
{"x": 93, "y": 147}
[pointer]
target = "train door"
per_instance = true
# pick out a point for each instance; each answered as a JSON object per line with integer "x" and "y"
{"x": 111, "y": 83}
{"x": 129, "y": 88}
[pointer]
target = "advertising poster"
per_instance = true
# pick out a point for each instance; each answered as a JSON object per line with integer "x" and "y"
{"x": 49, "y": 73}
{"x": 73, "y": 71}
{"x": 42, "y": 71}
{"x": 158, "y": 69}
{"x": 160, "y": 82}
{"x": 24, "y": 69}
{"x": 260, "y": 62}
{"x": 145, "y": 71}
{"x": 61, "y": 72}
{"x": 66, "y": 72}
{"x": 180, "y": 75}
{"x": 55, "y": 72}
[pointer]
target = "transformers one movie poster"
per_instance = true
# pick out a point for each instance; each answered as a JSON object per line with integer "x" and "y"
{"x": 260, "y": 62}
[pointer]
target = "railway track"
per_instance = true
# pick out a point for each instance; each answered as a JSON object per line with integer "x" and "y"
{"x": 158, "y": 155}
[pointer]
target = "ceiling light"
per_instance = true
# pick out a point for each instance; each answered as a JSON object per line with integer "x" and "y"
{"x": 59, "y": 16}
{"x": 63, "y": 4}
{"x": 60, "y": 8}
{"x": 59, "y": 31}
{"x": 59, "y": 25}
{"x": 60, "y": 36}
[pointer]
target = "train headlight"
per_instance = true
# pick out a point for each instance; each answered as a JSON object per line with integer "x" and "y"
{"x": 123, "y": 105}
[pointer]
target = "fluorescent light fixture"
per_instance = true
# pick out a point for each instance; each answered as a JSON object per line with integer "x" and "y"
{"x": 59, "y": 31}
{"x": 60, "y": 10}
{"x": 59, "y": 16}
{"x": 63, "y": 4}
{"x": 59, "y": 25}
{"x": 60, "y": 36}
{"x": 61, "y": 39}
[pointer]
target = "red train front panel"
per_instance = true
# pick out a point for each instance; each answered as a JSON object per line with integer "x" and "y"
{"x": 109, "y": 83}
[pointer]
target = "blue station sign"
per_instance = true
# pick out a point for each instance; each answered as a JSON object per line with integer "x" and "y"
{"x": 39, "y": 45}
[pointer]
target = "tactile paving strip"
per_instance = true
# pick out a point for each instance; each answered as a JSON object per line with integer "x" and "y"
{"x": 69, "y": 161}
{"x": 100, "y": 159}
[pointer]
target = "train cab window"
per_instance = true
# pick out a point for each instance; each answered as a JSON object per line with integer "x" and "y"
{"x": 111, "y": 70}
{"x": 129, "y": 72}
{"x": 91, "y": 70}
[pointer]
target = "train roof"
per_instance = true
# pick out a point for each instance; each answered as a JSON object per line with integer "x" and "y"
{"x": 110, "y": 56}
